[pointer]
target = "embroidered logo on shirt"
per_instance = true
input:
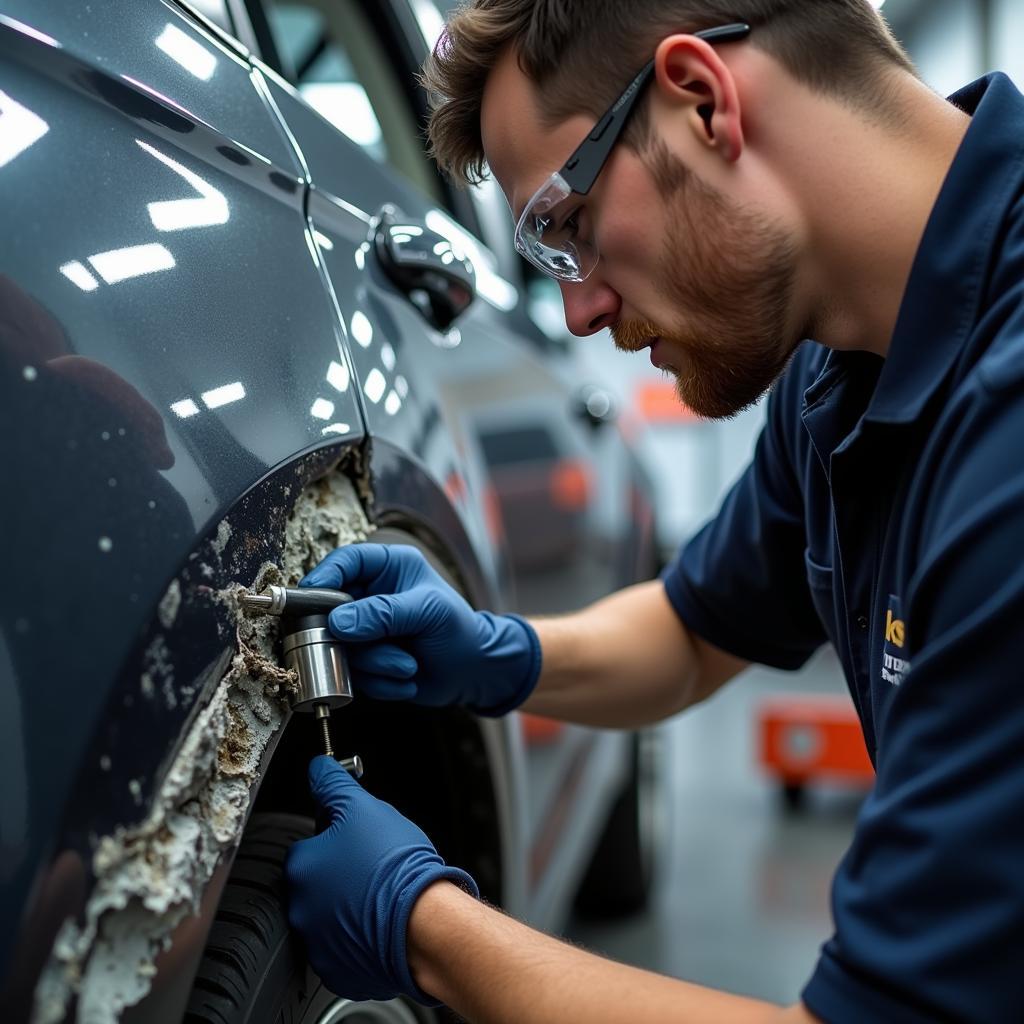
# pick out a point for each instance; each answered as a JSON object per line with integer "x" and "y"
{"x": 894, "y": 665}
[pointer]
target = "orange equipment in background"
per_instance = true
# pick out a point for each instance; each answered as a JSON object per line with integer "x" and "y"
{"x": 808, "y": 738}
{"x": 659, "y": 402}
{"x": 538, "y": 731}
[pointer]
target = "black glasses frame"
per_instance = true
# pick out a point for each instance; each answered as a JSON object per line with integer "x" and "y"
{"x": 581, "y": 170}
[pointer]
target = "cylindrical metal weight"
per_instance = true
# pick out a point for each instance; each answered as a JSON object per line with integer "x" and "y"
{"x": 319, "y": 662}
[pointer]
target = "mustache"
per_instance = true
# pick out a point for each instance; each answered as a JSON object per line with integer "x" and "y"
{"x": 635, "y": 335}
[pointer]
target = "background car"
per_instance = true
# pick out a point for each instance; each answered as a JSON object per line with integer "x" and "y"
{"x": 233, "y": 337}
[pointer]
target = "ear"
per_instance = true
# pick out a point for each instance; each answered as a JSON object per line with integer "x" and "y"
{"x": 689, "y": 73}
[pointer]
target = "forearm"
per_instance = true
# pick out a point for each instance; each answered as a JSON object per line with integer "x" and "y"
{"x": 624, "y": 662}
{"x": 493, "y": 970}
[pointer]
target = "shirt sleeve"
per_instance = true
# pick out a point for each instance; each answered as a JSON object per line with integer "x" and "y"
{"x": 928, "y": 902}
{"x": 741, "y": 583}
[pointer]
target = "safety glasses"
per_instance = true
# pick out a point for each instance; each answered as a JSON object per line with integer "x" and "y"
{"x": 555, "y": 232}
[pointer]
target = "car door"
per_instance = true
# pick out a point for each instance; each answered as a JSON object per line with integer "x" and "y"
{"x": 467, "y": 400}
{"x": 165, "y": 339}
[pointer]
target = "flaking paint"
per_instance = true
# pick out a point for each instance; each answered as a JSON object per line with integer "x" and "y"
{"x": 151, "y": 877}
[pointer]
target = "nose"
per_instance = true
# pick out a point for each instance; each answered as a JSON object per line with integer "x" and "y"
{"x": 590, "y": 306}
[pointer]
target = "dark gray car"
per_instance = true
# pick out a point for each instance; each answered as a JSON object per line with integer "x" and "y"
{"x": 233, "y": 337}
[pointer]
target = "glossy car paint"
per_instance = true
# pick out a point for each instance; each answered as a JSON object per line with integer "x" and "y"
{"x": 190, "y": 333}
{"x": 146, "y": 388}
{"x": 400, "y": 363}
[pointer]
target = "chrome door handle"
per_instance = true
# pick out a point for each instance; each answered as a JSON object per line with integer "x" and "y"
{"x": 437, "y": 278}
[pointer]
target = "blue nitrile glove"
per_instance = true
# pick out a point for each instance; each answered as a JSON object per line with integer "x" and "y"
{"x": 352, "y": 887}
{"x": 446, "y": 653}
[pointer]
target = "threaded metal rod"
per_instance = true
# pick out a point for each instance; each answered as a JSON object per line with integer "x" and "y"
{"x": 323, "y": 713}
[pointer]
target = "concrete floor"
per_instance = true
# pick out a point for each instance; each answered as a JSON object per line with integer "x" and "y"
{"x": 741, "y": 900}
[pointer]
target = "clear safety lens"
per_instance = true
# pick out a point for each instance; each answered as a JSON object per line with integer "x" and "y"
{"x": 554, "y": 232}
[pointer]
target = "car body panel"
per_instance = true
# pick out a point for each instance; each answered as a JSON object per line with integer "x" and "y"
{"x": 148, "y": 402}
{"x": 401, "y": 364}
{"x": 194, "y": 328}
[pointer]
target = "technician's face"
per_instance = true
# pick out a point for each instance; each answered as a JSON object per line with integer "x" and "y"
{"x": 684, "y": 270}
{"x": 726, "y": 279}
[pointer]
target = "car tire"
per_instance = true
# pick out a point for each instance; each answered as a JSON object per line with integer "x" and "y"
{"x": 254, "y": 970}
{"x": 620, "y": 876}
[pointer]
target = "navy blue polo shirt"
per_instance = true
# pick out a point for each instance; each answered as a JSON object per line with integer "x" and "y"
{"x": 883, "y": 512}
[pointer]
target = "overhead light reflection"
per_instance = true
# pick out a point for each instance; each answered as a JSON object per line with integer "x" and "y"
{"x": 322, "y": 409}
{"x": 347, "y": 107}
{"x": 185, "y": 408}
{"x": 490, "y": 286}
{"x": 148, "y": 89}
{"x": 375, "y": 386}
{"x": 337, "y": 428}
{"x": 338, "y": 377}
{"x": 323, "y": 240}
{"x": 402, "y": 234}
{"x": 401, "y": 386}
{"x": 453, "y": 339}
{"x": 223, "y": 395}
{"x": 392, "y": 403}
{"x": 181, "y": 214}
{"x": 20, "y": 128}
{"x": 77, "y": 274}
{"x": 361, "y": 328}
{"x": 28, "y": 30}
{"x": 387, "y": 356}
{"x": 132, "y": 261}
{"x": 192, "y": 56}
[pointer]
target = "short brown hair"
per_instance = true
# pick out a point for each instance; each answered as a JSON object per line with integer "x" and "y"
{"x": 582, "y": 53}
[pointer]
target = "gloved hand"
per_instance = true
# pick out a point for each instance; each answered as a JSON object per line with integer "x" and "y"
{"x": 353, "y": 886}
{"x": 446, "y": 653}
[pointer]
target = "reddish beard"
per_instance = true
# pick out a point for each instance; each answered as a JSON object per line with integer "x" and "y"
{"x": 635, "y": 335}
{"x": 730, "y": 272}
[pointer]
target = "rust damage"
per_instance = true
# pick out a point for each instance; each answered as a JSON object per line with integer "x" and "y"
{"x": 150, "y": 877}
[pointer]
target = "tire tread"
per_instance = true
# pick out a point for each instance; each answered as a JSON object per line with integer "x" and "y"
{"x": 249, "y": 925}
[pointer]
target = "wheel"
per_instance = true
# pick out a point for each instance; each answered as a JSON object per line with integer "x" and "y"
{"x": 253, "y": 970}
{"x": 620, "y": 876}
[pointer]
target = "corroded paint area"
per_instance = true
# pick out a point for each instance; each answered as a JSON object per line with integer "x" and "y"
{"x": 150, "y": 877}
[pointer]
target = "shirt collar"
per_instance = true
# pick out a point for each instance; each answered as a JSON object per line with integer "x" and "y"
{"x": 942, "y": 302}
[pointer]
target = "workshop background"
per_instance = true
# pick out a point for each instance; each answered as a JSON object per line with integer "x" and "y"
{"x": 741, "y": 899}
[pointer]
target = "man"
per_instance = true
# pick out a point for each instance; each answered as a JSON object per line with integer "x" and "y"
{"x": 777, "y": 173}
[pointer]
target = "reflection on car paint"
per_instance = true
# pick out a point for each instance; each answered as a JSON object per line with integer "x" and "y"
{"x": 490, "y": 285}
{"x": 360, "y": 328}
{"x": 212, "y": 399}
{"x": 338, "y": 377}
{"x": 190, "y": 54}
{"x": 123, "y": 264}
{"x": 27, "y": 30}
{"x": 181, "y": 214}
{"x": 20, "y": 128}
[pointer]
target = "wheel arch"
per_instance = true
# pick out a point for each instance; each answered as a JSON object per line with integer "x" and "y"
{"x": 458, "y": 776}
